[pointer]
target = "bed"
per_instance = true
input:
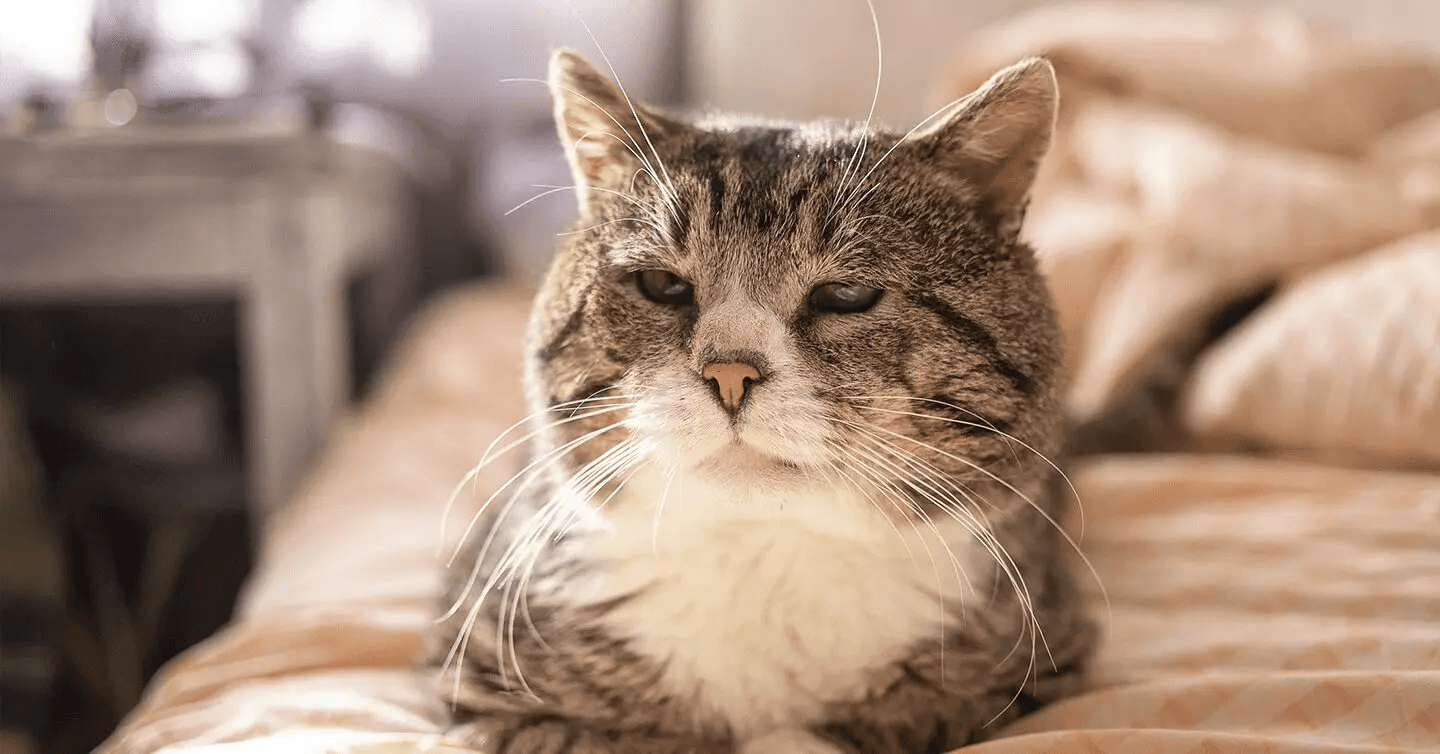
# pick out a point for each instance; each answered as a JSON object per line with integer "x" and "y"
{"x": 1270, "y": 569}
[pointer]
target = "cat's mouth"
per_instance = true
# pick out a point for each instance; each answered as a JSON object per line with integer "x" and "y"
{"x": 739, "y": 458}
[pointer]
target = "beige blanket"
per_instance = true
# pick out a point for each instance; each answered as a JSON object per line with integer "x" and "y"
{"x": 1256, "y": 603}
{"x": 1203, "y": 153}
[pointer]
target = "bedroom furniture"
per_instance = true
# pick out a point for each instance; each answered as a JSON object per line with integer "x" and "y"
{"x": 279, "y": 222}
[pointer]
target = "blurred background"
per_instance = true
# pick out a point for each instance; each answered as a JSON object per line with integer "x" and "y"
{"x": 216, "y": 215}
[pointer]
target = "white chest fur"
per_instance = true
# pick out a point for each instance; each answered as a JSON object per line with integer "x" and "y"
{"x": 768, "y": 608}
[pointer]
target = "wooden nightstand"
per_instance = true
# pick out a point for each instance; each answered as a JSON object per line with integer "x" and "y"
{"x": 277, "y": 222}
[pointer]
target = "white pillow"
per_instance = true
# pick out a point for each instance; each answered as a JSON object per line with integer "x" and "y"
{"x": 1344, "y": 362}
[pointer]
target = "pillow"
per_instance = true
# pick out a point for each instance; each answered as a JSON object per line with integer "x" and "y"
{"x": 1217, "y": 216}
{"x": 1343, "y": 363}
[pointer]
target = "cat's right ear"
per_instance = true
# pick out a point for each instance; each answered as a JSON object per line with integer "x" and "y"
{"x": 995, "y": 138}
{"x": 608, "y": 139}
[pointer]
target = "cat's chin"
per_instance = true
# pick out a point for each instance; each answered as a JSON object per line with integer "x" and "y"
{"x": 739, "y": 462}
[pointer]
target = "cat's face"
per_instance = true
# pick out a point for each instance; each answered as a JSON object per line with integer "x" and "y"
{"x": 769, "y": 303}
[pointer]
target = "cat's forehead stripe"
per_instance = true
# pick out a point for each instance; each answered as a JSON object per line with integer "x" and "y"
{"x": 757, "y": 180}
{"x": 764, "y": 199}
{"x": 717, "y": 192}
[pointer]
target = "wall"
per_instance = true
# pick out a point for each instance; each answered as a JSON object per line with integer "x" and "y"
{"x": 812, "y": 58}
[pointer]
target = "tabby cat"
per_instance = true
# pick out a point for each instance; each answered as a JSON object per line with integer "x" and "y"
{"x": 789, "y": 491}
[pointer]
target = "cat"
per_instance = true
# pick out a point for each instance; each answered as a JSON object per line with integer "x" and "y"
{"x": 791, "y": 491}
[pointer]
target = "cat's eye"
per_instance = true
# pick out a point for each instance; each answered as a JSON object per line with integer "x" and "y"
{"x": 839, "y": 298}
{"x": 665, "y": 287}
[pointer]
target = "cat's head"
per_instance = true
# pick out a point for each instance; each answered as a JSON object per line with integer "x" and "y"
{"x": 765, "y": 301}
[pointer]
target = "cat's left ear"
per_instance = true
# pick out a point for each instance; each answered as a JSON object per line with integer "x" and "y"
{"x": 995, "y": 138}
{"x": 607, "y": 137}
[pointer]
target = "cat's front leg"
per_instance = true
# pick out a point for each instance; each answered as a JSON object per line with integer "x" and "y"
{"x": 555, "y": 734}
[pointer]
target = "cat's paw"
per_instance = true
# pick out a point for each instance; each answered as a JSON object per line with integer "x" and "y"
{"x": 789, "y": 741}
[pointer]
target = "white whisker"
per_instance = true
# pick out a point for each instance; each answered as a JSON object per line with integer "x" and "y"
{"x": 666, "y": 190}
{"x": 529, "y": 474}
{"x": 485, "y": 457}
{"x": 599, "y": 225}
{"x": 659, "y": 510}
{"x": 963, "y": 517}
{"x": 1071, "y": 541}
{"x": 849, "y": 461}
{"x": 504, "y": 568}
{"x": 855, "y": 202}
{"x": 977, "y": 528}
{"x": 613, "y": 192}
{"x": 582, "y": 486}
{"x": 985, "y": 424}
{"x": 667, "y": 187}
{"x": 855, "y": 157}
{"x": 552, "y": 189}
{"x": 538, "y": 196}
{"x": 895, "y": 500}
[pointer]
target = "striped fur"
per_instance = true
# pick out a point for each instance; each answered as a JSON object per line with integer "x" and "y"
{"x": 874, "y": 440}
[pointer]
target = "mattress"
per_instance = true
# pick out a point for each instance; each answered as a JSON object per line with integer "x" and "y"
{"x": 1254, "y": 604}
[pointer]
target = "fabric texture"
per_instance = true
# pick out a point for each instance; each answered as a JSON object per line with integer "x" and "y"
{"x": 1277, "y": 379}
{"x": 1255, "y": 604}
{"x": 1203, "y": 153}
{"x": 1251, "y": 602}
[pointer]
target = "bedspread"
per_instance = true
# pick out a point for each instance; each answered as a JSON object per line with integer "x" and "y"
{"x": 1254, "y": 604}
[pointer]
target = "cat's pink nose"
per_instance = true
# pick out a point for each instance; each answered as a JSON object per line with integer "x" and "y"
{"x": 731, "y": 380}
